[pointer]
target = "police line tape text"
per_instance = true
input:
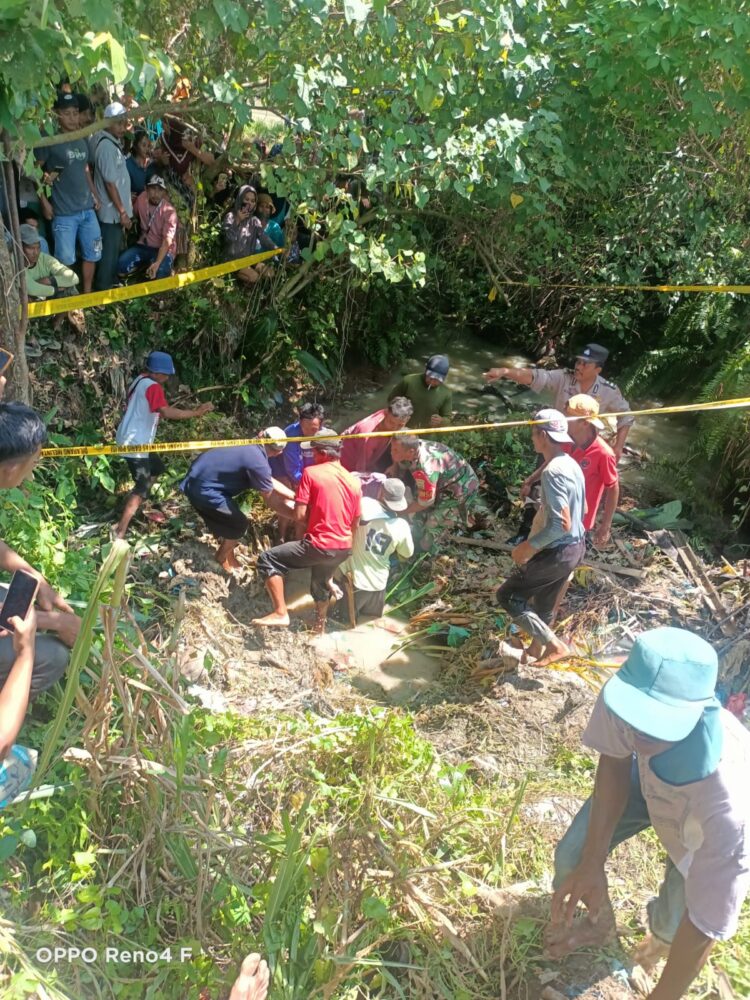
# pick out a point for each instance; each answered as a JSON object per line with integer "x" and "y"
{"x": 122, "y": 956}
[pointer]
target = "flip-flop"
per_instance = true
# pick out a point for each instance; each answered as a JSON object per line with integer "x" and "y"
{"x": 156, "y": 516}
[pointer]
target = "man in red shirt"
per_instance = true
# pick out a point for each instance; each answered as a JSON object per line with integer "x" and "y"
{"x": 371, "y": 454}
{"x": 327, "y": 511}
{"x": 598, "y": 463}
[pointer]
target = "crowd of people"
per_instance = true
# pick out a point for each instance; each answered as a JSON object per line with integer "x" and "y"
{"x": 670, "y": 756}
{"x": 122, "y": 202}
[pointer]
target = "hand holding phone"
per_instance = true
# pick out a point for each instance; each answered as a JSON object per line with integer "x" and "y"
{"x": 24, "y": 632}
{"x": 5, "y": 359}
{"x": 19, "y": 600}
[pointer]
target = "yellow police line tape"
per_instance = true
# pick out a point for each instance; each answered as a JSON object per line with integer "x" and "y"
{"x": 176, "y": 446}
{"x": 721, "y": 289}
{"x": 53, "y": 306}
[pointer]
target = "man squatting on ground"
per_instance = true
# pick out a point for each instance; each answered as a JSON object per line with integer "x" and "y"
{"x": 146, "y": 403}
{"x": 327, "y": 512}
{"x": 380, "y": 535}
{"x": 546, "y": 559}
{"x": 218, "y": 476}
{"x": 671, "y": 758}
{"x": 46, "y": 277}
{"x": 22, "y": 436}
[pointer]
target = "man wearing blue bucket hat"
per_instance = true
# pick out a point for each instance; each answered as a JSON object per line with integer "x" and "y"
{"x": 671, "y": 758}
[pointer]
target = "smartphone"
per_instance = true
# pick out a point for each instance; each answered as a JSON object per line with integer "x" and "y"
{"x": 5, "y": 359}
{"x": 20, "y": 597}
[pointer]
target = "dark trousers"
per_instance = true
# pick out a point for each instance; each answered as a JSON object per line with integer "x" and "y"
{"x": 530, "y": 592}
{"x": 106, "y": 269}
{"x": 299, "y": 555}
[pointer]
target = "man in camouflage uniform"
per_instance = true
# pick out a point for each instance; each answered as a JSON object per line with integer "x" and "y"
{"x": 586, "y": 378}
{"x": 444, "y": 485}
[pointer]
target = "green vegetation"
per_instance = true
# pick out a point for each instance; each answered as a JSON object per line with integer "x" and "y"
{"x": 557, "y": 145}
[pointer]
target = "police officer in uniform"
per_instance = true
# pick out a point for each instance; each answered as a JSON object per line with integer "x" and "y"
{"x": 562, "y": 384}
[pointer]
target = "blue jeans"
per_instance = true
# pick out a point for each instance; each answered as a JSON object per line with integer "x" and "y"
{"x": 666, "y": 911}
{"x": 139, "y": 256}
{"x": 82, "y": 228}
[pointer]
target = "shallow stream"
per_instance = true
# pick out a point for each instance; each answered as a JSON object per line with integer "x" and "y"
{"x": 470, "y": 356}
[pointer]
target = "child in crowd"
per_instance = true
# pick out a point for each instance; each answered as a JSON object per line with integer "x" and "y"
{"x": 146, "y": 403}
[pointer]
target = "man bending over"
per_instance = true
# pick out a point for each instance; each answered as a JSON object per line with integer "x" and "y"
{"x": 670, "y": 757}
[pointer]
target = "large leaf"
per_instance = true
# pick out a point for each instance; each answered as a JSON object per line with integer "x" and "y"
{"x": 119, "y": 62}
{"x": 318, "y": 369}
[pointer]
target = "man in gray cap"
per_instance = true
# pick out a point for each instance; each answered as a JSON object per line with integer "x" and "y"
{"x": 46, "y": 277}
{"x": 673, "y": 759}
{"x": 545, "y": 561}
{"x": 327, "y": 510}
{"x": 112, "y": 182}
{"x": 586, "y": 378}
{"x": 380, "y": 535}
{"x": 431, "y": 399}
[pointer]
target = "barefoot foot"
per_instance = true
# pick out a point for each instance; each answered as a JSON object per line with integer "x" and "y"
{"x": 252, "y": 982}
{"x": 229, "y": 563}
{"x": 649, "y": 952}
{"x": 274, "y": 619}
{"x": 554, "y": 650}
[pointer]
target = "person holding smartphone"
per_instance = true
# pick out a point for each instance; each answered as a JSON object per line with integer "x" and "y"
{"x": 244, "y": 235}
{"x": 17, "y": 763}
{"x": 22, "y": 435}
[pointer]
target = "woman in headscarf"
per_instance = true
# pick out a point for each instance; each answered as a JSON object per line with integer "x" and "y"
{"x": 243, "y": 233}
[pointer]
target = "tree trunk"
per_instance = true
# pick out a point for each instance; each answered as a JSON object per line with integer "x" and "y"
{"x": 14, "y": 306}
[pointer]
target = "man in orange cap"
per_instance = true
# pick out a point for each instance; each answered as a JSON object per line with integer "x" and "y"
{"x": 598, "y": 463}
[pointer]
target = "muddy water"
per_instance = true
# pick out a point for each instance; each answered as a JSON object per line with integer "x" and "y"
{"x": 656, "y": 436}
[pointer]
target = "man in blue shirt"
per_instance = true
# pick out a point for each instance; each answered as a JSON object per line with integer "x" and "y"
{"x": 545, "y": 561}
{"x": 294, "y": 460}
{"x": 220, "y": 475}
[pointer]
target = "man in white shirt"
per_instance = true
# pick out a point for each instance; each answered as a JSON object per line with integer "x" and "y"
{"x": 381, "y": 534}
{"x": 671, "y": 758}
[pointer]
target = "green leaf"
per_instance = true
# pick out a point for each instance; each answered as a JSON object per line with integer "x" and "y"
{"x": 457, "y": 636}
{"x": 314, "y": 367}
{"x": 119, "y": 62}
{"x": 8, "y": 845}
{"x": 232, "y": 15}
{"x": 375, "y": 908}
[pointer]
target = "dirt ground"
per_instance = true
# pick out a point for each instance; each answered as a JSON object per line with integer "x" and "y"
{"x": 508, "y": 726}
